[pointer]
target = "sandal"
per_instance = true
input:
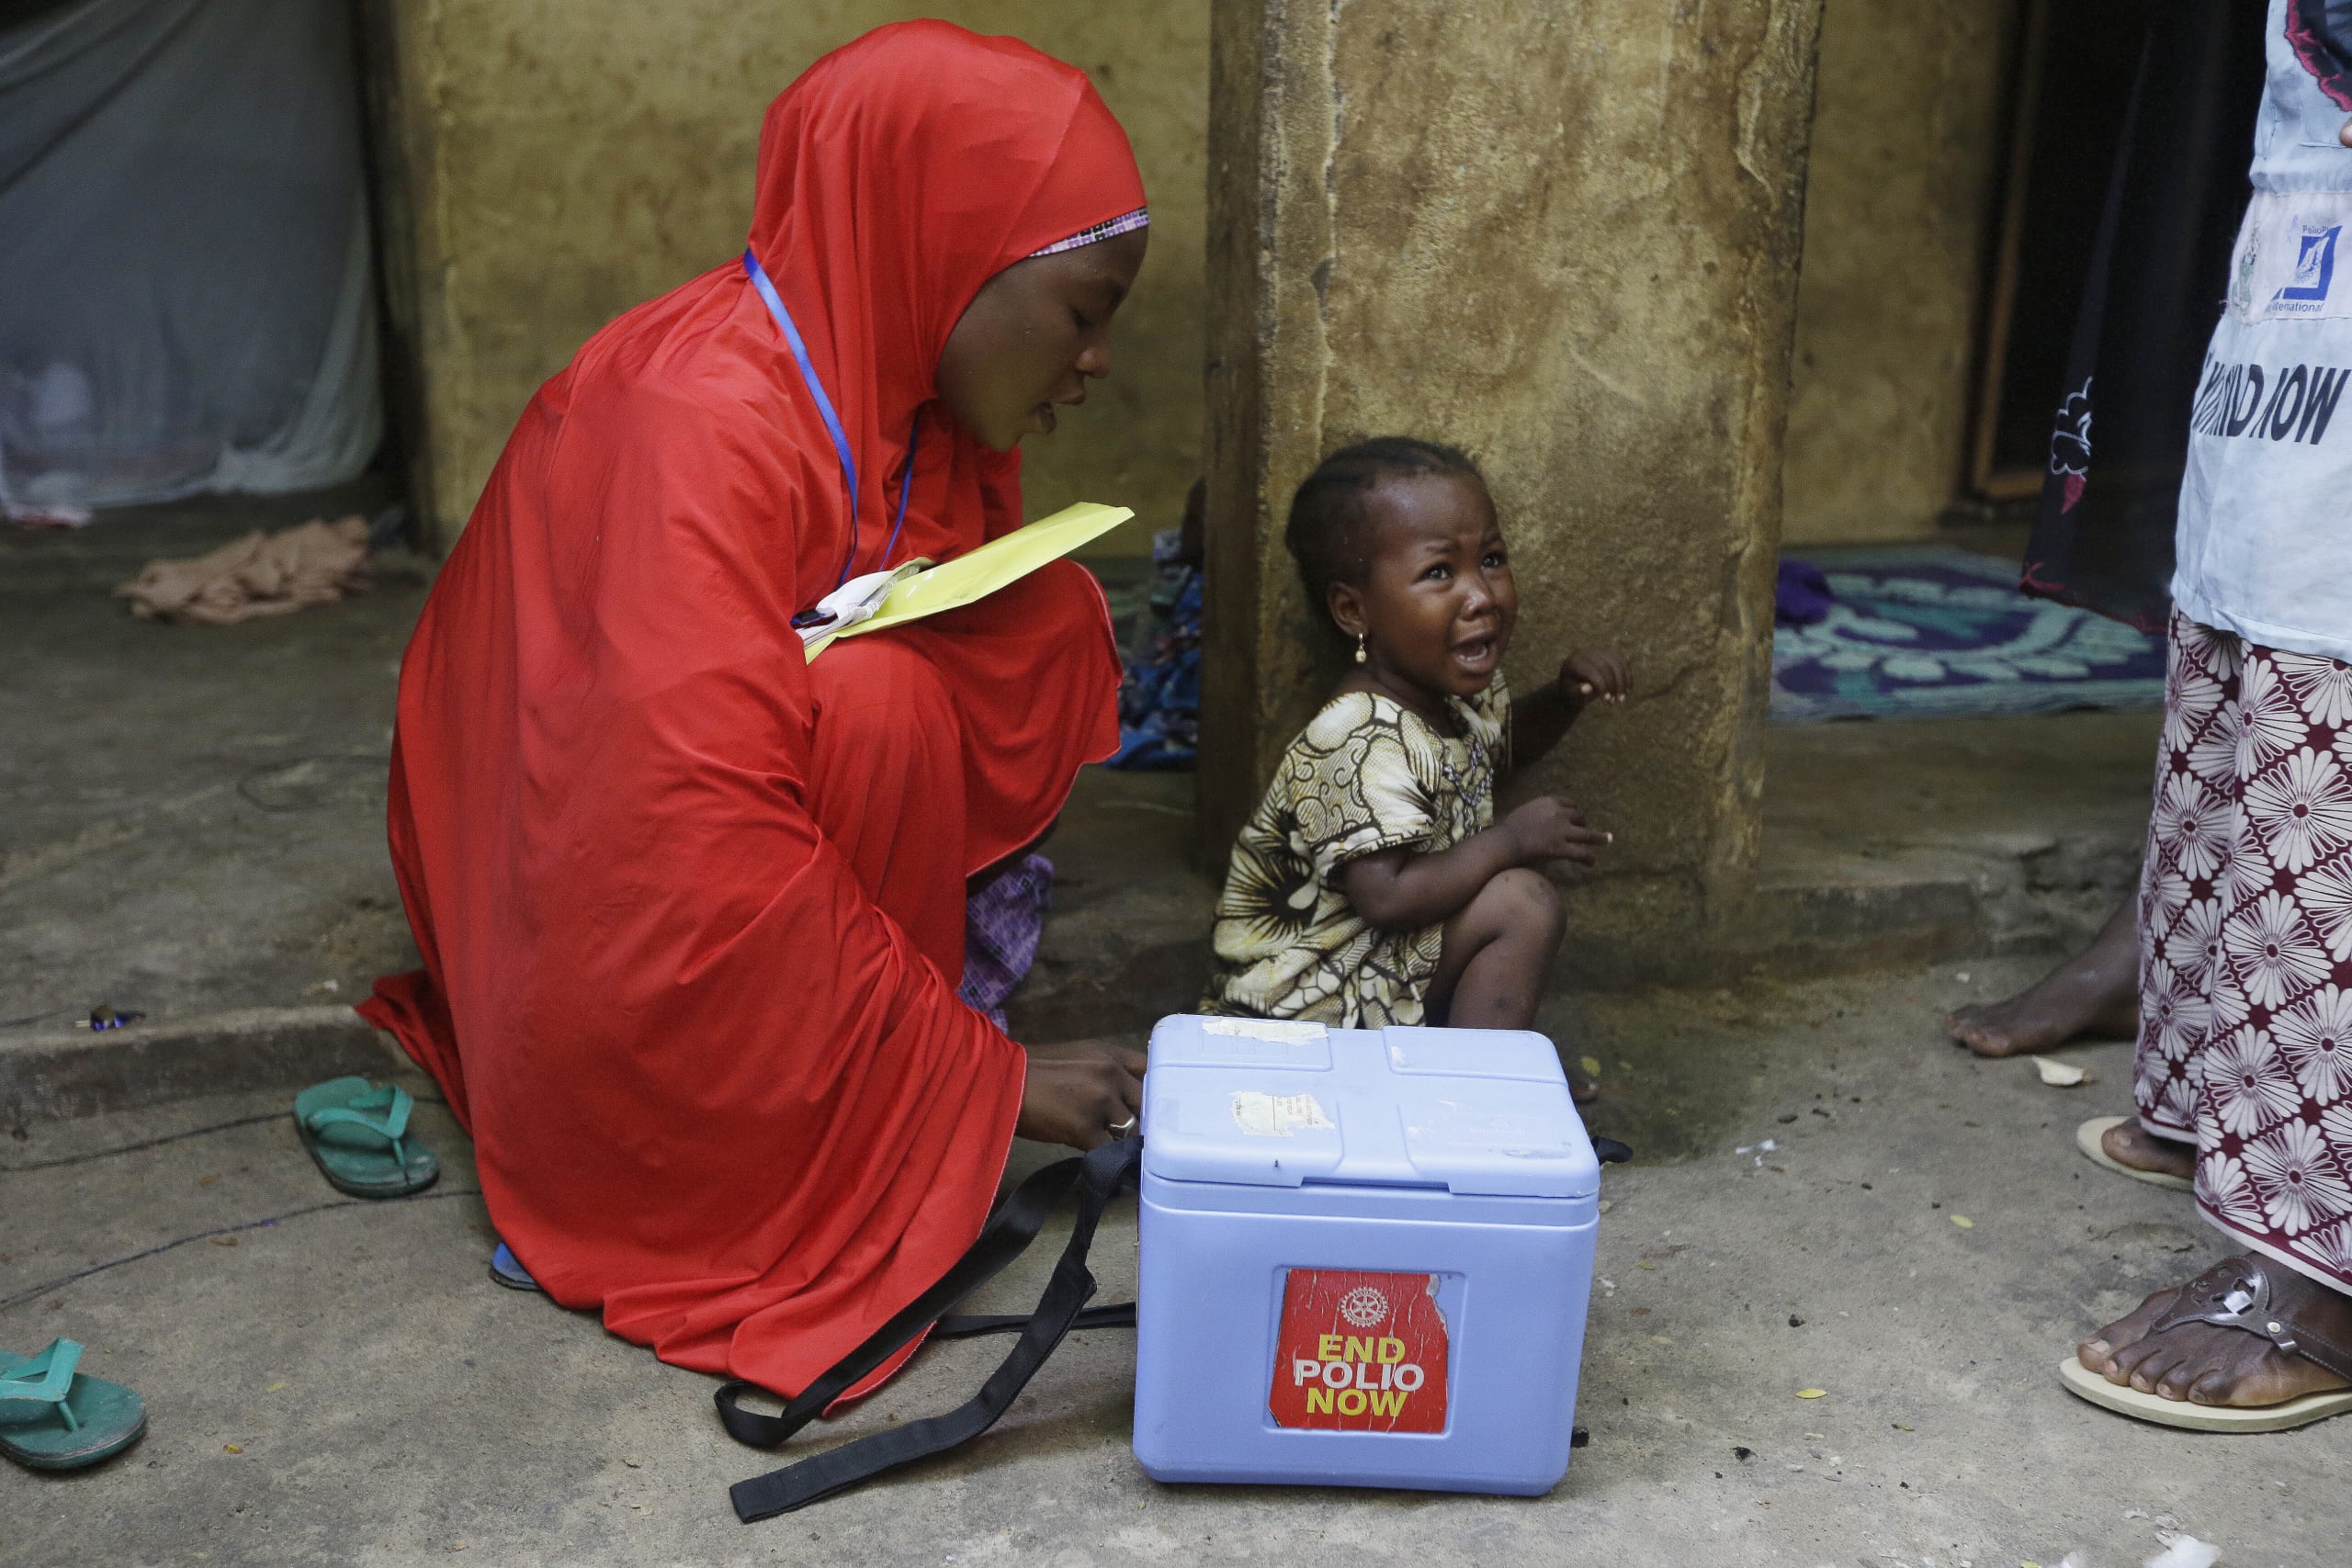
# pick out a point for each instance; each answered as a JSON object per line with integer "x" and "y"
{"x": 53, "y": 1417}
{"x": 358, "y": 1131}
{"x": 2234, "y": 1294}
{"x": 2090, "y": 1137}
{"x": 507, "y": 1269}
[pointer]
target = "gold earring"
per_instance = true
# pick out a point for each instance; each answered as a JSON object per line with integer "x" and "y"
{"x": 1360, "y": 648}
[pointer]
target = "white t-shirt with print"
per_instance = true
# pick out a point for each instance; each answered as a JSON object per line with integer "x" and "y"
{"x": 2265, "y": 533}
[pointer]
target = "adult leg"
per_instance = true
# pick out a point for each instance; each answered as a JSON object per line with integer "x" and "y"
{"x": 1033, "y": 677}
{"x": 944, "y": 747}
{"x": 886, "y": 786}
{"x": 921, "y": 777}
{"x": 2184, "y": 877}
{"x": 2095, "y": 992}
{"x": 2271, "y": 1079}
{"x": 1498, "y": 950}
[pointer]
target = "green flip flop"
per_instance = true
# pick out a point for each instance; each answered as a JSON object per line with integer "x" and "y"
{"x": 53, "y": 1417}
{"x": 358, "y": 1131}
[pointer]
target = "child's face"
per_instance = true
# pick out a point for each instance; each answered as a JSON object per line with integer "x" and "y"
{"x": 1437, "y": 606}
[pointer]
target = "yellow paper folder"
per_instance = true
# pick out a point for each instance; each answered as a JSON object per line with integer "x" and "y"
{"x": 973, "y": 577}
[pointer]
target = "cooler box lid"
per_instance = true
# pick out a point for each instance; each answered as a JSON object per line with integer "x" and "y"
{"x": 1276, "y": 1103}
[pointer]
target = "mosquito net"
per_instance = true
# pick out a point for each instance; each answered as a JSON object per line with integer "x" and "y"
{"x": 184, "y": 251}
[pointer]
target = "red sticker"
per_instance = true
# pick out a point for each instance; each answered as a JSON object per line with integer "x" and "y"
{"x": 1360, "y": 1352}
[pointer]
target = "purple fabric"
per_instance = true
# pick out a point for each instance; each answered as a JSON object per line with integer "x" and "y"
{"x": 1001, "y": 924}
{"x": 1802, "y": 596}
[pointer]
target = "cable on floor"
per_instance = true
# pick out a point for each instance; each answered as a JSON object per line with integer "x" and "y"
{"x": 142, "y": 1143}
{"x": 286, "y": 765}
{"x": 166, "y": 1138}
{"x": 38, "y": 1017}
{"x": 64, "y": 1280}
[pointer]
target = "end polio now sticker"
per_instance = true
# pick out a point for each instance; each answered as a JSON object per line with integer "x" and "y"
{"x": 1360, "y": 1352}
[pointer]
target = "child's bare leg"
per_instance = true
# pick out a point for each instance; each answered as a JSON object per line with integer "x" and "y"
{"x": 1499, "y": 947}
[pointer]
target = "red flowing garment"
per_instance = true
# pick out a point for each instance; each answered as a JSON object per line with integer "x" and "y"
{"x": 692, "y": 910}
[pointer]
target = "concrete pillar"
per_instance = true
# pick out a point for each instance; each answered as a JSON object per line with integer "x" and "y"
{"x": 1563, "y": 234}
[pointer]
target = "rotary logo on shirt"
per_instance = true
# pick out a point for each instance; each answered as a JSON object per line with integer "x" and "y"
{"x": 2287, "y": 249}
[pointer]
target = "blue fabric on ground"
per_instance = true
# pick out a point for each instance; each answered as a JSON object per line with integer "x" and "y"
{"x": 1160, "y": 703}
{"x": 1930, "y": 631}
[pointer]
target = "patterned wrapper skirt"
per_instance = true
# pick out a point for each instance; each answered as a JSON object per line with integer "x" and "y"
{"x": 2245, "y": 943}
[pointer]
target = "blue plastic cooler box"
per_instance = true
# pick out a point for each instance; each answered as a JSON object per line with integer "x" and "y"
{"x": 1366, "y": 1256}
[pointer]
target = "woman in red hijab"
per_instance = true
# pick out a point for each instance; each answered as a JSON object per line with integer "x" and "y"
{"x": 691, "y": 908}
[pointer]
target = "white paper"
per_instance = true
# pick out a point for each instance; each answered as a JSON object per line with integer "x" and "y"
{"x": 854, "y": 604}
{"x": 1275, "y": 1115}
{"x": 1285, "y": 1029}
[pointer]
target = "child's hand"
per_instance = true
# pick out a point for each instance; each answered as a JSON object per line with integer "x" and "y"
{"x": 1551, "y": 827}
{"x": 1589, "y": 677}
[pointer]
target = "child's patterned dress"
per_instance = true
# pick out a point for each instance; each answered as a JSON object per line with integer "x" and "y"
{"x": 1366, "y": 774}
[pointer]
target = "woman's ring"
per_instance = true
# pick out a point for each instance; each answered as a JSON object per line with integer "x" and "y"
{"x": 1121, "y": 1129}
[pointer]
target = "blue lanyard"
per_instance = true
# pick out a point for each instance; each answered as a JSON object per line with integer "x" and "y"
{"x": 774, "y": 304}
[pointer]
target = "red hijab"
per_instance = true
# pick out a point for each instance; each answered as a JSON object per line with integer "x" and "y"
{"x": 697, "y": 1009}
{"x": 898, "y": 175}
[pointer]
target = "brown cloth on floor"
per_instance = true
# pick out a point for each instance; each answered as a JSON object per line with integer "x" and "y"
{"x": 260, "y": 574}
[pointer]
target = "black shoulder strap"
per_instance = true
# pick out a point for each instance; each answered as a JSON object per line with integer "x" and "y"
{"x": 1099, "y": 1176}
{"x": 1111, "y": 1314}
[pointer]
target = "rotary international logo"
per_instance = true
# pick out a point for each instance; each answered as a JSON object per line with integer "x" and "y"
{"x": 1363, "y": 1306}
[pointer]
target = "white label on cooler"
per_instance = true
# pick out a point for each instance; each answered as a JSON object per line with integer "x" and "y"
{"x": 1275, "y": 1115}
{"x": 1287, "y": 1030}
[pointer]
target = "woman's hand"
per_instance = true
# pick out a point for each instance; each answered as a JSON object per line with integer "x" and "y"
{"x": 1080, "y": 1093}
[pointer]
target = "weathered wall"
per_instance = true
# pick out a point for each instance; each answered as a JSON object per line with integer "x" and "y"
{"x": 1898, "y": 203}
{"x": 566, "y": 159}
{"x": 1564, "y": 236}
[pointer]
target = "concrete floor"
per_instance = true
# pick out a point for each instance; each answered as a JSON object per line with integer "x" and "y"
{"x": 196, "y": 813}
{"x": 197, "y": 827}
{"x": 349, "y": 1386}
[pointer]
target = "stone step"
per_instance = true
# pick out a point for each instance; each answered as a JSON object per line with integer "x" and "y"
{"x": 1116, "y": 963}
{"x": 1830, "y": 913}
{"x": 58, "y": 1070}
{"x": 1126, "y": 944}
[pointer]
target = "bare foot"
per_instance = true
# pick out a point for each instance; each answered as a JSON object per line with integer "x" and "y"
{"x": 2128, "y": 1143}
{"x": 2130, "y": 1329}
{"x": 2205, "y": 1364}
{"x": 2095, "y": 992}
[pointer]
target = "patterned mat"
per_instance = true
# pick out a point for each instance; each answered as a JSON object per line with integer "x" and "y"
{"x": 1930, "y": 631}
